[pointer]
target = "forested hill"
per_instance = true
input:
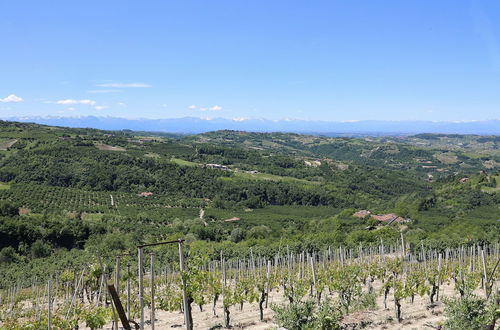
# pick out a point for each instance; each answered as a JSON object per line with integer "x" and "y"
{"x": 436, "y": 154}
{"x": 93, "y": 190}
{"x": 247, "y": 169}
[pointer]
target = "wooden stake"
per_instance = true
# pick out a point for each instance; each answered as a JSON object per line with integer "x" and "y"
{"x": 141, "y": 287}
{"x": 152, "y": 292}
{"x": 49, "y": 308}
{"x": 187, "y": 309}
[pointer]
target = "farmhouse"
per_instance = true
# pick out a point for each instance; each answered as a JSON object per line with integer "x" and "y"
{"x": 217, "y": 166}
{"x": 232, "y": 219}
{"x": 390, "y": 218}
{"x": 362, "y": 214}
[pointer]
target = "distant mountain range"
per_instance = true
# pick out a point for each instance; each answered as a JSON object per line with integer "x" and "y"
{"x": 193, "y": 125}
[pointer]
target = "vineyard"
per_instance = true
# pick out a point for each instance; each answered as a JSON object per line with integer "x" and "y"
{"x": 49, "y": 199}
{"x": 272, "y": 241}
{"x": 375, "y": 287}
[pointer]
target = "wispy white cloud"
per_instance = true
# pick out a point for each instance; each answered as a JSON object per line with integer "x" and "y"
{"x": 212, "y": 108}
{"x": 215, "y": 108}
{"x": 124, "y": 85}
{"x": 103, "y": 91}
{"x": 100, "y": 107}
{"x": 70, "y": 101}
{"x": 11, "y": 98}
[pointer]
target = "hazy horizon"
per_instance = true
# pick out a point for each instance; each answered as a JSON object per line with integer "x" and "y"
{"x": 194, "y": 125}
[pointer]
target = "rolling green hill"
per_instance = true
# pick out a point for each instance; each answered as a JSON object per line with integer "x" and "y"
{"x": 80, "y": 192}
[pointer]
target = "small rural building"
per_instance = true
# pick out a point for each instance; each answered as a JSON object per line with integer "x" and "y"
{"x": 217, "y": 166}
{"x": 390, "y": 218}
{"x": 362, "y": 214}
{"x": 232, "y": 219}
{"x": 384, "y": 217}
{"x": 146, "y": 194}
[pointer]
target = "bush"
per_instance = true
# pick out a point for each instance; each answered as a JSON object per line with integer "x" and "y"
{"x": 237, "y": 235}
{"x": 8, "y": 209}
{"x": 367, "y": 301}
{"x": 306, "y": 315}
{"x": 259, "y": 232}
{"x": 468, "y": 313}
{"x": 96, "y": 317}
{"x": 295, "y": 316}
{"x": 327, "y": 317}
{"x": 40, "y": 249}
{"x": 8, "y": 255}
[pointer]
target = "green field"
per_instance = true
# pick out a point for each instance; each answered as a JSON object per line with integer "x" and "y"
{"x": 182, "y": 162}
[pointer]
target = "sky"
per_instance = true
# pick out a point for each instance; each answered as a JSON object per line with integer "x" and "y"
{"x": 311, "y": 60}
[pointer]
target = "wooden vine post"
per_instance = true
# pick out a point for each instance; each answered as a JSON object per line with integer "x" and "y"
{"x": 187, "y": 308}
{"x": 49, "y": 307}
{"x": 119, "y": 308}
{"x": 152, "y": 292}
{"x": 128, "y": 290}
{"x": 141, "y": 286}
{"x": 117, "y": 275}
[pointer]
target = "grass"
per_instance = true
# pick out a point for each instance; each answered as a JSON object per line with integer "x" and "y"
{"x": 5, "y": 145}
{"x": 4, "y": 186}
{"x": 276, "y": 217}
{"x": 446, "y": 158}
{"x": 269, "y": 177}
{"x": 493, "y": 189}
{"x": 92, "y": 216}
{"x": 152, "y": 155}
{"x": 182, "y": 162}
{"x": 106, "y": 147}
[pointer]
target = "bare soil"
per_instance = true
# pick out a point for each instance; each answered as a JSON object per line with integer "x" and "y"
{"x": 417, "y": 315}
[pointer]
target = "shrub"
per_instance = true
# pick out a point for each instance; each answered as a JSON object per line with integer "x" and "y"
{"x": 40, "y": 249}
{"x": 295, "y": 316}
{"x": 237, "y": 235}
{"x": 8, "y": 209}
{"x": 8, "y": 255}
{"x": 96, "y": 317}
{"x": 366, "y": 301}
{"x": 468, "y": 313}
{"x": 327, "y": 317}
{"x": 307, "y": 315}
{"x": 259, "y": 232}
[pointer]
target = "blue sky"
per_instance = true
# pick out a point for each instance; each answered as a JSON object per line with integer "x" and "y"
{"x": 315, "y": 60}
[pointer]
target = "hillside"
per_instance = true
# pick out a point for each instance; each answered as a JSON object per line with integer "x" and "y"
{"x": 279, "y": 185}
{"x": 73, "y": 197}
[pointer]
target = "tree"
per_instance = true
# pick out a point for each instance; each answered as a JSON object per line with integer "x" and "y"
{"x": 8, "y": 209}
{"x": 259, "y": 232}
{"x": 8, "y": 255}
{"x": 40, "y": 249}
{"x": 237, "y": 235}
